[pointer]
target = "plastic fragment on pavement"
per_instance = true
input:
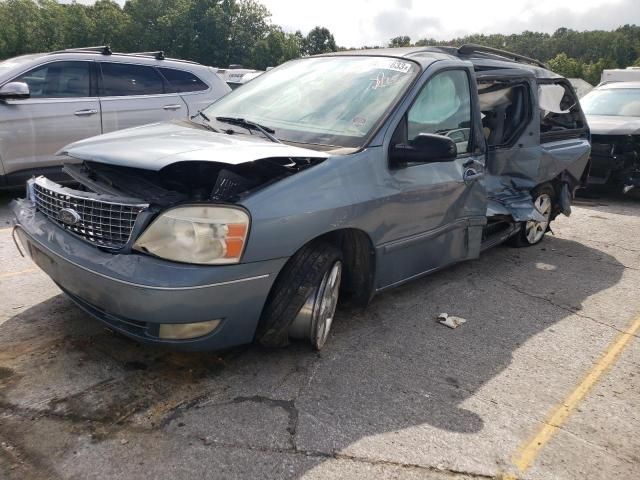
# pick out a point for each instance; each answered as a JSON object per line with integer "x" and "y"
{"x": 450, "y": 321}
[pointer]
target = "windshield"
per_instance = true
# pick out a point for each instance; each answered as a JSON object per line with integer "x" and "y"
{"x": 324, "y": 101}
{"x": 613, "y": 101}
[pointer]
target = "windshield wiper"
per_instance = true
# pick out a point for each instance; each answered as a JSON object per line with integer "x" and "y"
{"x": 206, "y": 119}
{"x": 249, "y": 125}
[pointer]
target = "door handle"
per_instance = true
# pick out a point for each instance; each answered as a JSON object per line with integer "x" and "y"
{"x": 88, "y": 111}
{"x": 172, "y": 107}
{"x": 471, "y": 175}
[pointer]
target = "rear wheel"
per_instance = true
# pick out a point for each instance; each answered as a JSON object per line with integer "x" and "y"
{"x": 304, "y": 297}
{"x": 532, "y": 231}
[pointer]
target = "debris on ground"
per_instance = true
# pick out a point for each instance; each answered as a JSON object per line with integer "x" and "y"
{"x": 450, "y": 321}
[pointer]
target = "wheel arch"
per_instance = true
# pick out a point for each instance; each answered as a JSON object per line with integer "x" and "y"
{"x": 296, "y": 279}
{"x": 359, "y": 256}
{"x": 359, "y": 262}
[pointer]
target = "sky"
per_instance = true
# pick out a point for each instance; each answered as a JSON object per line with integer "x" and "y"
{"x": 355, "y": 23}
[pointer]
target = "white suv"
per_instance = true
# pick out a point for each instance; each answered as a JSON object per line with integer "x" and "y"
{"x": 50, "y": 100}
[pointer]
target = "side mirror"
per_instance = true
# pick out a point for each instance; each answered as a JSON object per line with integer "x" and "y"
{"x": 425, "y": 148}
{"x": 14, "y": 90}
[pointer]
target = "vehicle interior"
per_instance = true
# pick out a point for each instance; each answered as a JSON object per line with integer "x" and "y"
{"x": 505, "y": 109}
{"x": 560, "y": 110}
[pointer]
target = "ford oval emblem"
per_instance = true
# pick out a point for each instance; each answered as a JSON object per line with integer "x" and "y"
{"x": 69, "y": 216}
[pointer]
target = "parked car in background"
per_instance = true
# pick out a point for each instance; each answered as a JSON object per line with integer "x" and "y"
{"x": 613, "y": 115}
{"x": 49, "y": 100}
{"x": 235, "y": 75}
{"x": 340, "y": 175}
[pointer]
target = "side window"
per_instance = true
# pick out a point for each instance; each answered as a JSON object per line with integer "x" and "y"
{"x": 560, "y": 114}
{"x": 505, "y": 111}
{"x": 58, "y": 80}
{"x": 443, "y": 107}
{"x": 182, "y": 81}
{"x": 121, "y": 79}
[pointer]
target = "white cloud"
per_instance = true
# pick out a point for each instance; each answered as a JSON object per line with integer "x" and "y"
{"x": 373, "y": 22}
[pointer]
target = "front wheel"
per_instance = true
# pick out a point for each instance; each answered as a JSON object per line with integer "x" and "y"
{"x": 315, "y": 318}
{"x": 532, "y": 231}
{"x": 304, "y": 297}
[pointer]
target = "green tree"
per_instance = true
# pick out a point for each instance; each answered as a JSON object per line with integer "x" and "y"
{"x": 110, "y": 23}
{"x": 51, "y": 15}
{"x": 320, "y": 40}
{"x": 403, "y": 41}
{"x": 216, "y": 32}
{"x": 592, "y": 72}
{"x": 248, "y": 20}
{"x": 20, "y": 20}
{"x": 566, "y": 66}
{"x": 78, "y": 26}
{"x": 276, "y": 47}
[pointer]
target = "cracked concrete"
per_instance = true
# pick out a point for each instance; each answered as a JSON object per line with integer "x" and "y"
{"x": 393, "y": 395}
{"x": 574, "y": 310}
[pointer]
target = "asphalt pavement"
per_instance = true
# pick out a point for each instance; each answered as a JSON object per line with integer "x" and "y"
{"x": 541, "y": 382}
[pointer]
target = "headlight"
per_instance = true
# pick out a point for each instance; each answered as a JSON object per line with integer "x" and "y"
{"x": 197, "y": 234}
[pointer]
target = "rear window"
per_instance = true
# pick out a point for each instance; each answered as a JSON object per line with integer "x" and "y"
{"x": 182, "y": 81}
{"x": 121, "y": 79}
{"x": 560, "y": 114}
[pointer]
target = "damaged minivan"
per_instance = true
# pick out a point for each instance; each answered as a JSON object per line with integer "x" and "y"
{"x": 330, "y": 177}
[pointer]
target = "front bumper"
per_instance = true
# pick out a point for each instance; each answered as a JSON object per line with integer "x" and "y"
{"x": 134, "y": 293}
{"x": 615, "y": 160}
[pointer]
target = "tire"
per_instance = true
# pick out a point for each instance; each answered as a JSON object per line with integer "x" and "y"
{"x": 298, "y": 283}
{"x": 526, "y": 236}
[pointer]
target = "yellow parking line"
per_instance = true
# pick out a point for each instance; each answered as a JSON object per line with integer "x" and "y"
{"x": 21, "y": 272}
{"x": 528, "y": 452}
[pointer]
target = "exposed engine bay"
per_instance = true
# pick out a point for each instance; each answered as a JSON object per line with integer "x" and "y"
{"x": 615, "y": 159}
{"x": 186, "y": 181}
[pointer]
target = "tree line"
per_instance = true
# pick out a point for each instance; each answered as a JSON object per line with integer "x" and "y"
{"x": 568, "y": 52}
{"x": 223, "y": 32}
{"x": 213, "y": 32}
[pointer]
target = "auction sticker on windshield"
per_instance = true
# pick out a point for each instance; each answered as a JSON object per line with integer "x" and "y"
{"x": 399, "y": 66}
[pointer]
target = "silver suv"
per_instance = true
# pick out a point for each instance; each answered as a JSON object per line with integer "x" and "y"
{"x": 50, "y": 100}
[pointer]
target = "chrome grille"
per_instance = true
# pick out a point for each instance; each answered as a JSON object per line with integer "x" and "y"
{"x": 106, "y": 224}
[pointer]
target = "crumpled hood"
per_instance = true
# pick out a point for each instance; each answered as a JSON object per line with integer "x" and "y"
{"x": 153, "y": 147}
{"x": 613, "y": 125}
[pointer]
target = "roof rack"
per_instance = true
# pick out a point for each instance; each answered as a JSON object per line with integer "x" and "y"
{"x": 158, "y": 55}
{"x": 103, "y": 49}
{"x": 106, "y": 50}
{"x": 470, "y": 48}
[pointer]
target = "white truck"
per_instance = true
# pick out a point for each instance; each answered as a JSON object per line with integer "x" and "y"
{"x": 629, "y": 74}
